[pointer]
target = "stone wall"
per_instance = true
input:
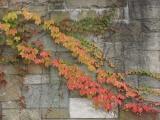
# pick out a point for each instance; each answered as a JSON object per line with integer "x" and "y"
{"x": 134, "y": 45}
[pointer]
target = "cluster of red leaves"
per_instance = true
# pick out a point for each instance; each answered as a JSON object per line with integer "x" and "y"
{"x": 139, "y": 108}
{"x": 101, "y": 96}
{"x": 77, "y": 80}
{"x": 22, "y": 102}
{"x": 33, "y": 55}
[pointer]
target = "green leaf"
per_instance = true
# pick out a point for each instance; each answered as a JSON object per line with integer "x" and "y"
{"x": 1, "y": 41}
{"x": 9, "y": 42}
{"x": 5, "y": 18}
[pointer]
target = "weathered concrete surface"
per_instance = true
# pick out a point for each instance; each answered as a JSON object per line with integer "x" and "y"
{"x": 55, "y": 113}
{"x": 23, "y": 114}
{"x": 36, "y": 79}
{"x": 46, "y": 96}
{"x": 13, "y": 89}
{"x": 83, "y": 108}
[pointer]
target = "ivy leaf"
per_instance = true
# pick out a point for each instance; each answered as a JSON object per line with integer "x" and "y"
{"x": 131, "y": 94}
{"x": 3, "y": 83}
{"x": 47, "y": 63}
{"x": 1, "y": 41}
{"x": 5, "y": 18}
{"x": 17, "y": 38}
{"x": 26, "y": 88}
{"x": 22, "y": 98}
{"x": 31, "y": 57}
{"x": 9, "y": 42}
{"x": 120, "y": 97}
{"x": 134, "y": 109}
{"x": 55, "y": 62}
{"x": 12, "y": 15}
{"x": 12, "y": 31}
{"x": 22, "y": 80}
{"x": 24, "y": 105}
{"x": 45, "y": 53}
{"x": 38, "y": 61}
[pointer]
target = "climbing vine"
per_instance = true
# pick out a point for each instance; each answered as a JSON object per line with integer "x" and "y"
{"x": 66, "y": 33}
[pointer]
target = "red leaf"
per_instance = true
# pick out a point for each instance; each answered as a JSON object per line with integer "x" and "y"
{"x": 24, "y": 105}
{"x": 22, "y": 80}
{"x": 26, "y": 88}
{"x": 118, "y": 102}
{"x": 140, "y": 109}
{"x": 101, "y": 80}
{"x": 120, "y": 97}
{"x": 134, "y": 109}
{"x": 38, "y": 61}
{"x": 34, "y": 32}
{"x": 39, "y": 42}
{"x": 154, "y": 111}
{"x": 45, "y": 53}
{"x": 55, "y": 62}
{"x": 22, "y": 98}
{"x": 3, "y": 83}
{"x": 95, "y": 100}
{"x": 31, "y": 57}
{"x": 131, "y": 94}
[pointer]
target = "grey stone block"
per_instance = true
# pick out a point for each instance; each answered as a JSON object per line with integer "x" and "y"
{"x": 46, "y": 96}
{"x": 131, "y": 56}
{"x": 55, "y": 78}
{"x": 55, "y": 113}
{"x": 36, "y": 79}
{"x": 146, "y": 81}
{"x": 24, "y": 114}
{"x": 9, "y": 69}
{"x": 55, "y": 5}
{"x": 151, "y": 25}
{"x": 58, "y": 16}
{"x": 124, "y": 32}
{"x": 40, "y": 10}
{"x": 132, "y": 79}
{"x": 83, "y": 108}
{"x": 48, "y": 43}
{"x": 151, "y": 41}
{"x": 12, "y": 91}
{"x": 139, "y": 10}
{"x": 72, "y": 4}
{"x": 151, "y": 97}
{"x": 10, "y": 104}
{"x": 54, "y": 74}
{"x": 66, "y": 56}
{"x": 150, "y": 61}
{"x": 38, "y": 69}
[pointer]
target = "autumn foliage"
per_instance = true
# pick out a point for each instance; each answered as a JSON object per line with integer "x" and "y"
{"x": 108, "y": 91}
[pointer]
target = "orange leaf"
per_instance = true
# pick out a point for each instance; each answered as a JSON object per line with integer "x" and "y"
{"x": 131, "y": 94}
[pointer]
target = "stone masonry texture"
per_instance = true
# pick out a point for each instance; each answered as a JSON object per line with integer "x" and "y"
{"x": 134, "y": 45}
